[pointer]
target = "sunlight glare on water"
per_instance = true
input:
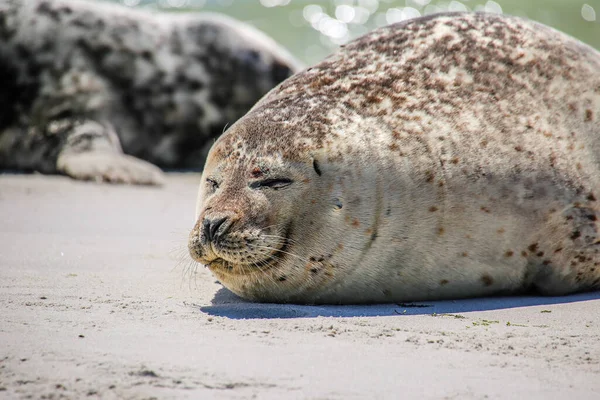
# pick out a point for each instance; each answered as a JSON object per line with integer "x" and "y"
{"x": 588, "y": 13}
{"x": 311, "y": 28}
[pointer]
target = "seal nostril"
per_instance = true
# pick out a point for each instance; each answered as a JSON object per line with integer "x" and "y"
{"x": 214, "y": 228}
{"x": 206, "y": 231}
{"x": 210, "y": 228}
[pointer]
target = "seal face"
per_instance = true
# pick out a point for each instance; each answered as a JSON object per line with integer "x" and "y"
{"x": 81, "y": 83}
{"x": 453, "y": 155}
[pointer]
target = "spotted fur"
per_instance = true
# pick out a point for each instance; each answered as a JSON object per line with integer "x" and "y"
{"x": 458, "y": 155}
{"x": 82, "y": 82}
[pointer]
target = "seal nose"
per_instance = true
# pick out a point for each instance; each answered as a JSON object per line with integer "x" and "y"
{"x": 210, "y": 228}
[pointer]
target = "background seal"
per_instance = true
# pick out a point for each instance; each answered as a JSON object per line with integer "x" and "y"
{"x": 83, "y": 82}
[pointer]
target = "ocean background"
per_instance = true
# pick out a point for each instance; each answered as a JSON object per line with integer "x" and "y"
{"x": 312, "y": 29}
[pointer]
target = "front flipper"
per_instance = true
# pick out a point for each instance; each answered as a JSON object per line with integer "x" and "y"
{"x": 92, "y": 151}
{"x": 103, "y": 166}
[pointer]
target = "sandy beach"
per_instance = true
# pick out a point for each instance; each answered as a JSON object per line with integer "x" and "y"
{"x": 99, "y": 299}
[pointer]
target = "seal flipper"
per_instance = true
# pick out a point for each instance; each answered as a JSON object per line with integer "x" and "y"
{"x": 572, "y": 264}
{"x": 92, "y": 151}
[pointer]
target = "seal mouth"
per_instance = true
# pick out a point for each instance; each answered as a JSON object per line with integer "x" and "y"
{"x": 219, "y": 263}
{"x": 242, "y": 268}
{"x": 238, "y": 268}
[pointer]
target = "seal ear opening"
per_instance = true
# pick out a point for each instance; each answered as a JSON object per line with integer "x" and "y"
{"x": 316, "y": 167}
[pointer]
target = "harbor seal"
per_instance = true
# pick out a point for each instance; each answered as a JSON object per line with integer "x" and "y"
{"x": 82, "y": 83}
{"x": 449, "y": 156}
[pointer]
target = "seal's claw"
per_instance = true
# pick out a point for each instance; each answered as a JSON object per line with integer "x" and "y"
{"x": 110, "y": 167}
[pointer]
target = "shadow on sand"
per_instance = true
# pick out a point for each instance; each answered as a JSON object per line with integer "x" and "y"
{"x": 227, "y": 304}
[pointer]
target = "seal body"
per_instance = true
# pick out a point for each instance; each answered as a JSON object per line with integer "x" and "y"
{"x": 454, "y": 155}
{"x": 83, "y": 82}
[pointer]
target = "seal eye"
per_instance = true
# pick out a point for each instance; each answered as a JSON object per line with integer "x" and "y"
{"x": 316, "y": 167}
{"x": 213, "y": 184}
{"x": 275, "y": 183}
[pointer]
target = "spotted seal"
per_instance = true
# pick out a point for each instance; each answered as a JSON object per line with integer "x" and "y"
{"x": 448, "y": 156}
{"x": 81, "y": 83}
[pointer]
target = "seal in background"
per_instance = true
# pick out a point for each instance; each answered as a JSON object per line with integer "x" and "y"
{"x": 81, "y": 83}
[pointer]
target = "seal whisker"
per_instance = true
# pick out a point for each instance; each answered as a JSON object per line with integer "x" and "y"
{"x": 282, "y": 239}
{"x": 188, "y": 265}
{"x": 281, "y": 251}
{"x": 261, "y": 277}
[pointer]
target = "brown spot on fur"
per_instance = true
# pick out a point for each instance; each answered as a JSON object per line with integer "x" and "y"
{"x": 321, "y": 81}
{"x": 558, "y": 250}
{"x": 509, "y": 253}
{"x": 454, "y": 160}
{"x": 518, "y": 148}
{"x": 591, "y": 197}
{"x": 257, "y": 172}
{"x": 500, "y": 231}
{"x": 371, "y": 98}
{"x": 444, "y": 282}
{"x": 429, "y": 175}
{"x": 485, "y": 209}
{"x": 540, "y": 254}
{"x": 575, "y": 235}
{"x": 524, "y": 253}
{"x": 441, "y": 230}
{"x": 533, "y": 247}
{"x": 355, "y": 223}
{"x": 546, "y": 262}
{"x": 589, "y": 115}
{"x": 433, "y": 209}
{"x": 487, "y": 280}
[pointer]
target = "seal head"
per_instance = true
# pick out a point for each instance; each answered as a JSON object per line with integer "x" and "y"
{"x": 251, "y": 213}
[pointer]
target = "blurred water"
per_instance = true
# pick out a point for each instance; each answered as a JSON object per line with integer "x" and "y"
{"x": 311, "y": 29}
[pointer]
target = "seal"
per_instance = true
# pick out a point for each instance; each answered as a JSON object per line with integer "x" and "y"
{"x": 449, "y": 156}
{"x": 91, "y": 89}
